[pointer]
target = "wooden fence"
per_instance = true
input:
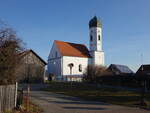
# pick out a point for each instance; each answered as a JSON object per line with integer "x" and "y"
{"x": 8, "y": 97}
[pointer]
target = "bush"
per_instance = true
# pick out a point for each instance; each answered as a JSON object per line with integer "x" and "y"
{"x": 92, "y": 72}
{"x": 119, "y": 80}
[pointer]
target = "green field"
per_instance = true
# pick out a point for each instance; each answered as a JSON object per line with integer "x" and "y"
{"x": 91, "y": 92}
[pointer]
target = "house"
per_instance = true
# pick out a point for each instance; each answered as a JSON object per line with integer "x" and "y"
{"x": 117, "y": 69}
{"x": 144, "y": 70}
{"x": 68, "y": 61}
{"x": 31, "y": 68}
{"x": 143, "y": 73}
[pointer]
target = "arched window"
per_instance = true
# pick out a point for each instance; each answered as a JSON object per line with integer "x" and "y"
{"x": 56, "y": 54}
{"x": 99, "y": 38}
{"x": 80, "y": 68}
{"x": 70, "y": 66}
{"x": 91, "y": 38}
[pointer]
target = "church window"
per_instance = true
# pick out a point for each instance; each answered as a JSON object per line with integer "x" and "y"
{"x": 56, "y": 54}
{"x": 99, "y": 38}
{"x": 91, "y": 38}
{"x": 80, "y": 68}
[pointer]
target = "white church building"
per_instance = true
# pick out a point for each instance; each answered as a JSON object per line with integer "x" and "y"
{"x": 68, "y": 61}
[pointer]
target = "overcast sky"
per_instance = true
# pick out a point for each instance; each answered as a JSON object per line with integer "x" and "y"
{"x": 126, "y": 25}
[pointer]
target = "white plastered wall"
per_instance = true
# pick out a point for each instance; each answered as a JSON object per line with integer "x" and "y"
{"x": 76, "y": 61}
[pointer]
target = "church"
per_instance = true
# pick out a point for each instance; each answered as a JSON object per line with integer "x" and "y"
{"x": 67, "y": 61}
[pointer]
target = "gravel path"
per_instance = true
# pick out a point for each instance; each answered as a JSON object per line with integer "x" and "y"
{"x": 56, "y": 103}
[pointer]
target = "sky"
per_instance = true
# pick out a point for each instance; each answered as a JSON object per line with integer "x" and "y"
{"x": 126, "y": 26}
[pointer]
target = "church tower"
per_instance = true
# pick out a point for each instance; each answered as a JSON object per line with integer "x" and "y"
{"x": 95, "y": 29}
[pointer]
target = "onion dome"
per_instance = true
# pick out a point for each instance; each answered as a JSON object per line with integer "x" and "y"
{"x": 94, "y": 22}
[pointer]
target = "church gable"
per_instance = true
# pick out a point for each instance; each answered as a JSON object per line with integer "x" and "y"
{"x": 72, "y": 49}
{"x": 54, "y": 53}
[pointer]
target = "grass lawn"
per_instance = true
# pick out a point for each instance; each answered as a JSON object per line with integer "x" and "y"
{"x": 91, "y": 92}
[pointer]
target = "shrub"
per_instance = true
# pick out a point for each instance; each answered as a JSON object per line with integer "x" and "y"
{"x": 92, "y": 72}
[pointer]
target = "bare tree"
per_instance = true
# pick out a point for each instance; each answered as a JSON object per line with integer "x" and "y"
{"x": 92, "y": 72}
{"x": 10, "y": 47}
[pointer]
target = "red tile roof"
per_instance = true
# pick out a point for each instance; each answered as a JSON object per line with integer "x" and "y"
{"x": 72, "y": 49}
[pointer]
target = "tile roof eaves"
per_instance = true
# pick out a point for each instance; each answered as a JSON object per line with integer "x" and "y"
{"x": 76, "y": 56}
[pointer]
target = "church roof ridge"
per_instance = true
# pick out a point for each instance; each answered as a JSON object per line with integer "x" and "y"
{"x": 70, "y": 42}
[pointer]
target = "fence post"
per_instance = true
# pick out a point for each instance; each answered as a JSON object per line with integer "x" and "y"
{"x": 16, "y": 89}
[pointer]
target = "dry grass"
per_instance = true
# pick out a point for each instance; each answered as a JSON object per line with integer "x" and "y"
{"x": 32, "y": 108}
{"x": 91, "y": 92}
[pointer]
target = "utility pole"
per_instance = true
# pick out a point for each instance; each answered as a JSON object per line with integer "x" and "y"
{"x": 143, "y": 83}
{"x": 143, "y": 72}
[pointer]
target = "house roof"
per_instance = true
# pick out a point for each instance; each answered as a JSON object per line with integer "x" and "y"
{"x": 144, "y": 69}
{"x": 122, "y": 69}
{"x": 72, "y": 49}
{"x": 28, "y": 51}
